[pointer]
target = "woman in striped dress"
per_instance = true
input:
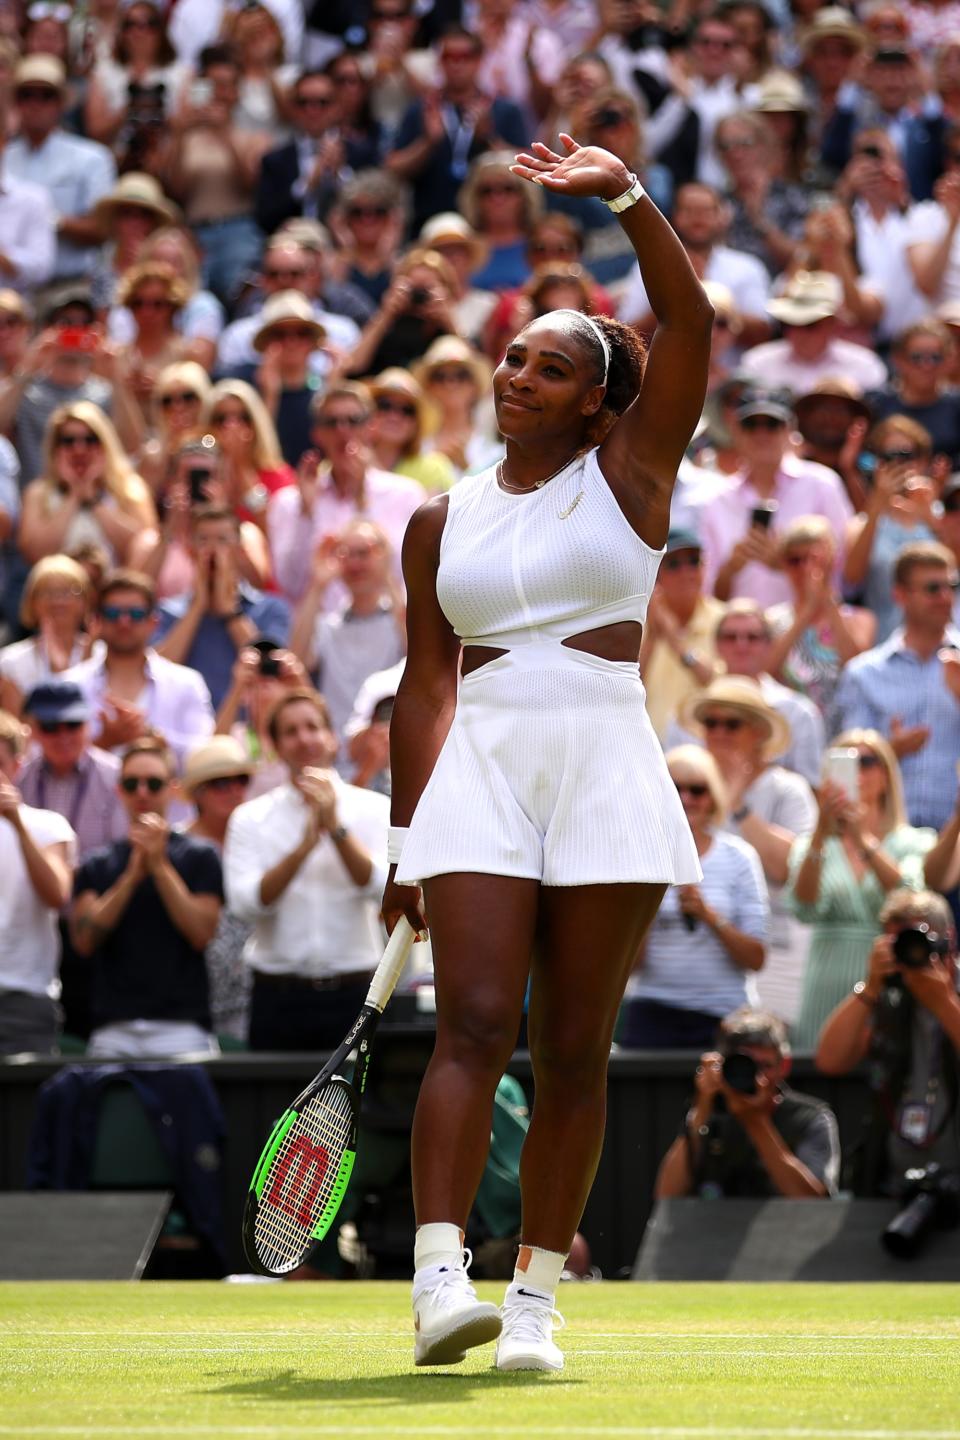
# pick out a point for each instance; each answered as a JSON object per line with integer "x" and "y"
{"x": 840, "y": 876}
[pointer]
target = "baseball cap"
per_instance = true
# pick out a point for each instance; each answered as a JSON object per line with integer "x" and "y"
{"x": 758, "y": 401}
{"x": 56, "y": 700}
{"x": 683, "y": 539}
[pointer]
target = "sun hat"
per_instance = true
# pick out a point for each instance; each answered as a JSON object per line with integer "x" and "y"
{"x": 744, "y": 697}
{"x": 216, "y": 758}
{"x": 137, "y": 189}
{"x": 832, "y": 22}
{"x": 451, "y": 350}
{"x": 780, "y": 93}
{"x": 809, "y": 295}
{"x": 453, "y": 228}
{"x": 834, "y": 387}
{"x": 287, "y": 306}
{"x": 40, "y": 70}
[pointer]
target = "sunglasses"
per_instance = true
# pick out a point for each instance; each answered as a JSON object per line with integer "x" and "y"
{"x": 340, "y": 422}
{"x": 227, "y": 782}
{"x": 300, "y": 274}
{"x": 77, "y": 442}
{"x": 149, "y": 302}
{"x": 451, "y": 377}
{"x": 230, "y": 417}
{"x": 762, "y": 422}
{"x": 178, "y": 397}
{"x": 898, "y": 457}
{"x": 10, "y": 322}
{"x": 39, "y": 94}
{"x": 319, "y": 102}
{"x": 53, "y": 727}
{"x": 869, "y": 761}
{"x": 136, "y": 613}
{"x": 134, "y": 212}
{"x": 926, "y": 357}
{"x": 130, "y": 784}
{"x": 689, "y": 561}
{"x": 396, "y": 407}
{"x": 148, "y": 22}
{"x": 715, "y": 42}
{"x": 730, "y": 723}
{"x": 697, "y": 791}
{"x": 795, "y": 561}
{"x": 741, "y": 637}
{"x": 368, "y": 212}
{"x": 291, "y": 332}
{"x": 937, "y": 587}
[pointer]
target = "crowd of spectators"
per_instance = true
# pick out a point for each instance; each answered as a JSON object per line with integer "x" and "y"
{"x": 258, "y": 259}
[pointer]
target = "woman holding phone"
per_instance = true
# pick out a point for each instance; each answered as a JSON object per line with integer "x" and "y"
{"x": 861, "y": 848}
{"x": 532, "y": 801}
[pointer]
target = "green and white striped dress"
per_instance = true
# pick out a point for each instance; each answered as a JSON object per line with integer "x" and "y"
{"x": 844, "y": 920}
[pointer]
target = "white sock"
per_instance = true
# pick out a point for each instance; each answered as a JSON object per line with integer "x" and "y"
{"x": 539, "y": 1269}
{"x": 437, "y": 1244}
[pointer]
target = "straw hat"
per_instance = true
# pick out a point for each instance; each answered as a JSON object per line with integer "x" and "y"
{"x": 141, "y": 190}
{"x": 41, "y": 70}
{"x": 744, "y": 697}
{"x": 832, "y": 22}
{"x": 780, "y": 93}
{"x": 284, "y": 308}
{"x": 834, "y": 387}
{"x": 394, "y": 381}
{"x": 216, "y": 758}
{"x": 452, "y": 228}
{"x": 810, "y": 295}
{"x": 451, "y": 350}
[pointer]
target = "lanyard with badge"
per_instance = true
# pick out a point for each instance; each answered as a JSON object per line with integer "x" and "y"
{"x": 460, "y": 132}
{"x": 915, "y": 1126}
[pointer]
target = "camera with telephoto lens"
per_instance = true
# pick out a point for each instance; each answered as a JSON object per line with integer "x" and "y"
{"x": 740, "y": 1072}
{"x": 932, "y": 1197}
{"x": 916, "y": 945}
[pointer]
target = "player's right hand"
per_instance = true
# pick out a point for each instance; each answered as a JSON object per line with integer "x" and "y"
{"x": 403, "y": 900}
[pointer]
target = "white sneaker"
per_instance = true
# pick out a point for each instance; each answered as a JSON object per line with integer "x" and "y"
{"x": 447, "y": 1316}
{"x": 527, "y": 1339}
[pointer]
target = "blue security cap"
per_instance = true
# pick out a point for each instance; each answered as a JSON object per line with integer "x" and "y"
{"x": 56, "y": 700}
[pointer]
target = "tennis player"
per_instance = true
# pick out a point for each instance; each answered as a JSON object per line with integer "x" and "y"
{"x": 534, "y": 807}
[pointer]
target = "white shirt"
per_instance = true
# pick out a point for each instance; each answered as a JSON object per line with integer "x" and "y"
{"x": 323, "y": 924}
{"x": 775, "y": 364}
{"x": 28, "y": 236}
{"x": 744, "y": 276}
{"x": 927, "y": 225}
{"x": 882, "y": 253}
{"x": 195, "y": 24}
{"x": 26, "y": 663}
{"x": 29, "y": 941}
{"x": 75, "y": 173}
{"x": 174, "y": 699}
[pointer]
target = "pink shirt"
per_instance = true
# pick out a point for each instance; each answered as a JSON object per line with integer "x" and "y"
{"x": 802, "y": 488}
{"x": 389, "y": 501}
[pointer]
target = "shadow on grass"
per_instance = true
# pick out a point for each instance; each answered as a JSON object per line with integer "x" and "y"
{"x": 429, "y": 1387}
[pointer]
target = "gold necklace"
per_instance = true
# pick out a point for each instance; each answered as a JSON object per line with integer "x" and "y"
{"x": 525, "y": 489}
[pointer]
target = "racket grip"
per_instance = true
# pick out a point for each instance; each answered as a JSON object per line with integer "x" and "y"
{"x": 389, "y": 970}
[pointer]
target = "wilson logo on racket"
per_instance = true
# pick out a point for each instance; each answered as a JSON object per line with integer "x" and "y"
{"x": 299, "y": 1199}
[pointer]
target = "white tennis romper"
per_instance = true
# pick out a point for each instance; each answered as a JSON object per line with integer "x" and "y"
{"x": 551, "y": 769}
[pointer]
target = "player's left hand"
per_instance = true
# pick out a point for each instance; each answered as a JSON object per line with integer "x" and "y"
{"x": 582, "y": 170}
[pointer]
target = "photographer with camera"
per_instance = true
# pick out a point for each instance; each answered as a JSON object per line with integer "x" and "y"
{"x": 747, "y": 1134}
{"x": 419, "y": 306}
{"x": 905, "y": 1017}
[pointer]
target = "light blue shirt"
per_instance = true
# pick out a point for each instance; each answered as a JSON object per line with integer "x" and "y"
{"x": 75, "y": 173}
{"x": 891, "y": 682}
{"x": 27, "y": 230}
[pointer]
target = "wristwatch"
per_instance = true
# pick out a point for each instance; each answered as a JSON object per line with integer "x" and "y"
{"x": 860, "y": 991}
{"x": 339, "y": 834}
{"x": 740, "y": 815}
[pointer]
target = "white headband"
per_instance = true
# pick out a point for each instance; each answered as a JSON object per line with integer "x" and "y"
{"x": 604, "y": 342}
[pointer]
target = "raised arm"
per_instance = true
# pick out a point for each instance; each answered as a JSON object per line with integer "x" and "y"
{"x": 641, "y": 454}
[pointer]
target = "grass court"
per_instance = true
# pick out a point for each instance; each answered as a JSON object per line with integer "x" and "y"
{"x": 694, "y": 1362}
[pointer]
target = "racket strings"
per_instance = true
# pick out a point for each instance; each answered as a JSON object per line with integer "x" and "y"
{"x": 301, "y": 1178}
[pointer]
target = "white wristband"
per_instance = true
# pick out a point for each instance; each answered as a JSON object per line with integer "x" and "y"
{"x": 630, "y": 196}
{"x": 396, "y": 834}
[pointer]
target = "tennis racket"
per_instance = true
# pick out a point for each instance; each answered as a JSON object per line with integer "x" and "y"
{"x": 303, "y": 1173}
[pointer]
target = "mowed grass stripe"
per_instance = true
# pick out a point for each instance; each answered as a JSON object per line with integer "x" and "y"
{"x": 710, "y": 1362}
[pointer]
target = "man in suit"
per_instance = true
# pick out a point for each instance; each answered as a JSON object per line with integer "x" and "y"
{"x": 303, "y": 176}
{"x": 440, "y": 134}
